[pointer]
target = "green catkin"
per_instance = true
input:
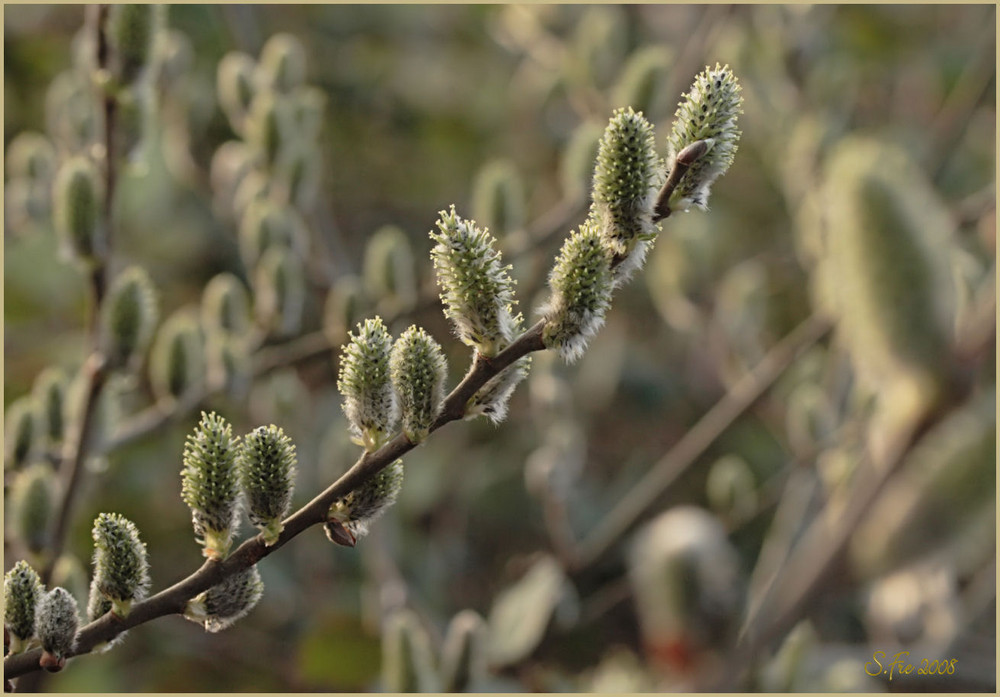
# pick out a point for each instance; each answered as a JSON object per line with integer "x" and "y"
{"x": 121, "y": 570}
{"x": 57, "y": 623}
{"x": 582, "y": 283}
{"x": 498, "y": 197}
{"x": 132, "y": 32}
{"x": 49, "y": 394}
{"x": 407, "y": 655}
{"x": 418, "y": 371}
{"x": 627, "y": 176}
{"x": 356, "y": 512}
{"x": 76, "y": 203}
{"x": 210, "y": 483}
{"x": 225, "y": 603}
{"x": 463, "y": 655}
{"x": 235, "y": 87}
{"x": 389, "y": 272}
{"x": 21, "y": 431}
{"x": 364, "y": 381}
{"x": 128, "y": 318}
{"x": 32, "y": 506}
{"x": 177, "y": 359}
{"x": 282, "y": 65}
{"x": 21, "y": 590}
{"x": 708, "y": 112}
{"x": 476, "y": 289}
{"x": 267, "y": 477}
{"x": 225, "y": 306}
{"x": 279, "y": 292}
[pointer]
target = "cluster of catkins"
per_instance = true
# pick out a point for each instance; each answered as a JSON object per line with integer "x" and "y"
{"x": 390, "y": 385}
{"x": 50, "y": 619}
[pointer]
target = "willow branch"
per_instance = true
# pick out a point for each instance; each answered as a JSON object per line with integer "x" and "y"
{"x": 173, "y": 600}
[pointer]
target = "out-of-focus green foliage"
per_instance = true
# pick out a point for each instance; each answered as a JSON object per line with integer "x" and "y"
{"x": 499, "y": 109}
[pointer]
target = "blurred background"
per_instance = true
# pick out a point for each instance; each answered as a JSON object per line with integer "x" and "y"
{"x": 536, "y": 524}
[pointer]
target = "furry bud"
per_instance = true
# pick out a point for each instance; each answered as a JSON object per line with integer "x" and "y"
{"x": 56, "y": 625}
{"x": 492, "y": 398}
{"x": 32, "y": 505}
{"x": 369, "y": 401}
{"x": 418, "y": 370}
{"x": 49, "y": 394}
{"x": 279, "y": 291}
{"x": 463, "y": 656}
{"x": 282, "y": 64}
{"x": 498, "y": 197}
{"x": 407, "y": 655}
{"x": 235, "y": 85}
{"x": 121, "y": 572}
{"x": 128, "y": 318}
{"x": 132, "y": 32}
{"x": 477, "y": 291}
{"x": 626, "y": 179}
{"x": 389, "y": 274}
{"x": 581, "y": 283}
{"x": 76, "y": 203}
{"x": 21, "y": 591}
{"x": 267, "y": 478}
{"x": 223, "y": 604}
{"x": 350, "y": 517}
{"x": 209, "y": 483}
{"x": 225, "y": 306}
{"x": 707, "y": 113}
{"x": 177, "y": 361}
{"x": 21, "y": 432}
{"x": 344, "y": 308}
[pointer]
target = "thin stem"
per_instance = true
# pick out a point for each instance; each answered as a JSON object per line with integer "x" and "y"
{"x": 174, "y": 599}
{"x": 697, "y": 440}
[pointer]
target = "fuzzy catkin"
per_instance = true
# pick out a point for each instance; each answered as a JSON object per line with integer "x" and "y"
{"x": 57, "y": 622}
{"x": 49, "y": 393}
{"x": 210, "y": 483}
{"x": 418, "y": 371}
{"x": 225, "y": 306}
{"x": 21, "y": 430}
{"x": 476, "y": 288}
{"x": 223, "y": 604}
{"x": 582, "y": 283}
{"x": 21, "y": 590}
{"x": 708, "y": 113}
{"x": 77, "y": 196}
{"x": 364, "y": 381}
{"x": 356, "y": 512}
{"x": 32, "y": 505}
{"x": 121, "y": 569}
{"x": 626, "y": 178}
{"x": 267, "y": 477}
{"x": 177, "y": 360}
